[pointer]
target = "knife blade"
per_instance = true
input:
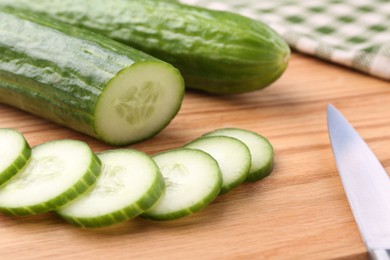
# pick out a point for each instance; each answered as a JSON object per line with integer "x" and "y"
{"x": 365, "y": 182}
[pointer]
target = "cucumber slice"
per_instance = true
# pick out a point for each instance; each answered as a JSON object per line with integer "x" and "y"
{"x": 232, "y": 155}
{"x": 129, "y": 184}
{"x": 260, "y": 148}
{"x": 193, "y": 180}
{"x": 14, "y": 153}
{"x": 58, "y": 172}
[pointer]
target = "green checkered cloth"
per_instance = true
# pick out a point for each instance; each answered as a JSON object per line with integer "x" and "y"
{"x": 354, "y": 33}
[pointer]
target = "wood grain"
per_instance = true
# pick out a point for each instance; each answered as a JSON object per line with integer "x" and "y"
{"x": 299, "y": 212}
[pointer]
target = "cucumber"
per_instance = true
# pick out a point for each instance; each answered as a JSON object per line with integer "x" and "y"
{"x": 217, "y": 52}
{"x": 129, "y": 184}
{"x": 261, "y": 150}
{"x": 192, "y": 179}
{"x": 83, "y": 80}
{"x": 58, "y": 172}
{"x": 233, "y": 157}
{"x": 15, "y": 152}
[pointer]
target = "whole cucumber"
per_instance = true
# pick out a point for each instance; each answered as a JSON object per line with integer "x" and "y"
{"x": 84, "y": 80}
{"x": 217, "y": 52}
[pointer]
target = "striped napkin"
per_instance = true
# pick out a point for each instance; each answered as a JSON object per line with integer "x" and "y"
{"x": 354, "y": 33}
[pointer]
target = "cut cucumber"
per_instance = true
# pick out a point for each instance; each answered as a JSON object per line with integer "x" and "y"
{"x": 83, "y": 80}
{"x": 58, "y": 172}
{"x": 129, "y": 184}
{"x": 217, "y": 52}
{"x": 261, "y": 150}
{"x": 193, "y": 180}
{"x": 232, "y": 155}
{"x": 15, "y": 152}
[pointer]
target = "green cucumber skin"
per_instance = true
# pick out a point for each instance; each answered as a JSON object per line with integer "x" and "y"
{"x": 261, "y": 174}
{"x": 78, "y": 188}
{"x": 120, "y": 215}
{"x": 19, "y": 164}
{"x": 16, "y": 167}
{"x": 56, "y": 71}
{"x": 217, "y": 52}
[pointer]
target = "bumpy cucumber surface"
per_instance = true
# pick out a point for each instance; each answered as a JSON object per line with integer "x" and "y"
{"x": 129, "y": 184}
{"x": 193, "y": 180}
{"x": 58, "y": 172}
{"x": 83, "y": 80}
{"x": 261, "y": 150}
{"x": 15, "y": 153}
{"x": 217, "y": 52}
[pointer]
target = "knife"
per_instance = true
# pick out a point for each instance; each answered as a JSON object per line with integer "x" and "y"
{"x": 365, "y": 182}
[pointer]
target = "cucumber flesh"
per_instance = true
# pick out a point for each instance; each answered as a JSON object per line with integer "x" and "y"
{"x": 58, "y": 172}
{"x": 232, "y": 155}
{"x": 193, "y": 180}
{"x": 129, "y": 184}
{"x": 15, "y": 152}
{"x": 261, "y": 150}
{"x": 138, "y": 102}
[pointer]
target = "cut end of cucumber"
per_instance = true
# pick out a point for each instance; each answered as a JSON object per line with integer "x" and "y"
{"x": 139, "y": 102}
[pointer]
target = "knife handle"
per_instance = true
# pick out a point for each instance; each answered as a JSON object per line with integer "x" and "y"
{"x": 380, "y": 254}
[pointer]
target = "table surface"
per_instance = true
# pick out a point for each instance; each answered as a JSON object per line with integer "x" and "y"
{"x": 298, "y": 212}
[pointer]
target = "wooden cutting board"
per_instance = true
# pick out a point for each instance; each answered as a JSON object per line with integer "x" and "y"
{"x": 299, "y": 212}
